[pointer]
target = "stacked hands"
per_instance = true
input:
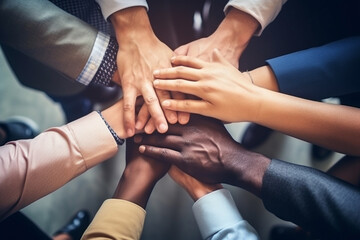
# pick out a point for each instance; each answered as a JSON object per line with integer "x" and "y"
{"x": 201, "y": 77}
{"x": 191, "y": 77}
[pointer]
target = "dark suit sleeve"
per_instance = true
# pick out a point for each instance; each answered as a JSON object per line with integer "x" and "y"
{"x": 48, "y": 34}
{"x": 317, "y": 202}
{"x": 317, "y": 73}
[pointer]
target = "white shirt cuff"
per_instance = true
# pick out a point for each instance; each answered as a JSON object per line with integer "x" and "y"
{"x": 264, "y": 11}
{"x": 108, "y": 7}
{"x": 94, "y": 61}
{"x": 215, "y": 211}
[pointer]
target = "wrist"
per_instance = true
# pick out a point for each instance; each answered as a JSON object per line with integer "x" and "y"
{"x": 134, "y": 187}
{"x": 130, "y": 23}
{"x": 114, "y": 117}
{"x": 239, "y": 25}
{"x": 264, "y": 77}
{"x": 198, "y": 192}
{"x": 249, "y": 172}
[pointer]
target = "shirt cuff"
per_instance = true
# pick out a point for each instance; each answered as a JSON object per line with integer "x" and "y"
{"x": 108, "y": 65}
{"x": 117, "y": 219}
{"x": 93, "y": 152}
{"x": 118, "y": 140}
{"x": 109, "y": 7}
{"x": 95, "y": 59}
{"x": 263, "y": 11}
{"x": 215, "y": 211}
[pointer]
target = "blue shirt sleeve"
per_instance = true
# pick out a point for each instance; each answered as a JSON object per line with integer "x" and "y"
{"x": 218, "y": 218}
{"x": 317, "y": 73}
{"x": 96, "y": 56}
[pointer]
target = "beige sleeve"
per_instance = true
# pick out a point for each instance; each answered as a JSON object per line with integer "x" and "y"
{"x": 31, "y": 169}
{"x": 116, "y": 219}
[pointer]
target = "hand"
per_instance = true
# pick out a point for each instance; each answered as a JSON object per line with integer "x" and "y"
{"x": 194, "y": 188}
{"x": 231, "y": 38}
{"x": 224, "y": 92}
{"x": 205, "y": 150}
{"x": 140, "y": 176}
{"x": 140, "y": 52}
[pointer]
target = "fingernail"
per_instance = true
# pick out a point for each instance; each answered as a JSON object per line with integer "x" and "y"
{"x": 156, "y": 82}
{"x": 156, "y": 72}
{"x": 166, "y": 103}
{"x": 138, "y": 125}
{"x": 137, "y": 138}
{"x": 142, "y": 149}
{"x": 162, "y": 128}
{"x": 130, "y": 132}
{"x": 172, "y": 59}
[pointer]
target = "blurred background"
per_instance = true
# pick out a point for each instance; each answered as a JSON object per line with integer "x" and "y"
{"x": 301, "y": 24}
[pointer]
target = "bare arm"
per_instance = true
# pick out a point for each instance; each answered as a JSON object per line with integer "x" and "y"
{"x": 221, "y": 87}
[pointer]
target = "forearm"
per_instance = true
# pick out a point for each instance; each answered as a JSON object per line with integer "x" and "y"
{"x": 247, "y": 170}
{"x": 59, "y": 154}
{"x": 131, "y": 23}
{"x": 134, "y": 187}
{"x": 234, "y": 33}
{"x": 262, "y": 10}
{"x": 328, "y": 125}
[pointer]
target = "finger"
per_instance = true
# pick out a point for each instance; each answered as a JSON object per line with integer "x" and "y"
{"x": 182, "y": 50}
{"x": 179, "y": 85}
{"x": 142, "y": 117}
{"x": 154, "y": 108}
{"x": 170, "y": 115}
{"x": 163, "y": 154}
{"x": 183, "y": 117}
{"x": 177, "y": 72}
{"x": 129, "y": 111}
{"x": 188, "y": 61}
{"x": 188, "y": 105}
{"x": 173, "y": 142}
{"x": 150, "y": 126}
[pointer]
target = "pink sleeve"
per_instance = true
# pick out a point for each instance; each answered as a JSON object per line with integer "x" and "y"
{"x": 31, "y": 169}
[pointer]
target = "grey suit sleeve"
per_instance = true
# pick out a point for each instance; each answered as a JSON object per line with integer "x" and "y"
{"x": 48, "y": 34}
{"x": 317, "y": 73}
{"x": 317, "y": 202}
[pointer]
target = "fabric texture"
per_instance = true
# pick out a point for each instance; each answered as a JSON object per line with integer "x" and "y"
{"x": 317, "y": 73}
{"x": 218, "y": 218}
{"x": 57, "y": 155}
{"x": 263, "y": 11}
{"x": 319, "y": 203}
{"x": 108, "y": 7}
{"x": 116, "y": 219}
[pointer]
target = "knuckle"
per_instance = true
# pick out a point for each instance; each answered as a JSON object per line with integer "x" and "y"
{"x": 178, "y": 83}
{"x": 163, "y": 154}
{"x": 128, "y": 107}
{"x": 150, "y": 100}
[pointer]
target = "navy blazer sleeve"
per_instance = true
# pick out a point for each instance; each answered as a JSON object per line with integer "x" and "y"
{"x": 317, "y": 73}
{"x": 317, "y": 202}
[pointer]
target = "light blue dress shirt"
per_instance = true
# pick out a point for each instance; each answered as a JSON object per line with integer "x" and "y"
{"x": 218, "y": 218}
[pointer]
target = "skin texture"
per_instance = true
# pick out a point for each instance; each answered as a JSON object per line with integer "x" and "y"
{"x": 140, "y": 176}
{"x": 140, "y": 52}
{"x": 193, "y": 187}
{"x": 231, "y": 38}
{"x": 219, "y": 87}
{"x": 205, "y": 150}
